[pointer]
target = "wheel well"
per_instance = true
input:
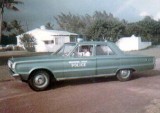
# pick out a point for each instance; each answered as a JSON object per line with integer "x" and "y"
{"x": 49, "y": 72}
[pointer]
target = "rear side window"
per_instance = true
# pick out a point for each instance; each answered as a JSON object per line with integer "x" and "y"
{"x": 103, "y": 50}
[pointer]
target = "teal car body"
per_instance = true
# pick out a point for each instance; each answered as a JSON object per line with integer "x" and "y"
{"x": 106, "y": 59}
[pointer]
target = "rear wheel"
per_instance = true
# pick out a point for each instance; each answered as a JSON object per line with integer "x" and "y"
{"x": 39, "y": 81}
{"x": 124, "y": 74}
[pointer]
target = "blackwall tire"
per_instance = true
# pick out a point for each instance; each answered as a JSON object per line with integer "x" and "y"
{"x": 39, "y": 81}
{"x": 124, "y": 75}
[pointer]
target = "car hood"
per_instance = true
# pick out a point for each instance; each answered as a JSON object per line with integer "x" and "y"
{"x": 36, "y": 58}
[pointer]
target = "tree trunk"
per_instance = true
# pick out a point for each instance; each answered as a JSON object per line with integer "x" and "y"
{"x": 0, "y": 24}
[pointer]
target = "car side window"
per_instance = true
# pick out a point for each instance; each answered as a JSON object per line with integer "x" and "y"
{"x": 83, "y": 51}
{"x": 103, "y": 50}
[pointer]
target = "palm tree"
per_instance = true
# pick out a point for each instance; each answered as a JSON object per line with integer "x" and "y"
{"x": 11, "y": 29}
{"x": 49, "y": 26}
{"x": 9, "y": 4}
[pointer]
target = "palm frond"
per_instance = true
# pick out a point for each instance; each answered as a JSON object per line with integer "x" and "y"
{"x": 9, "y": 4}
{"x": 13, "y": 1}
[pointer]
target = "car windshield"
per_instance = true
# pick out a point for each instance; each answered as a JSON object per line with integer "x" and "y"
{"x": 66, "y": 49}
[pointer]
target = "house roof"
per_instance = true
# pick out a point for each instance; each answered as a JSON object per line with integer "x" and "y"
{"x": 45, "y": 34}
{"x": 51, "y": 32}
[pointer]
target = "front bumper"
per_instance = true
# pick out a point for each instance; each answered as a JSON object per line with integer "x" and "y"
{"x": 15, "y": 75}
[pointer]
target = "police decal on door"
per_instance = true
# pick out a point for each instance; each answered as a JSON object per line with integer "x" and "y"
{"x": 78, "y": 63}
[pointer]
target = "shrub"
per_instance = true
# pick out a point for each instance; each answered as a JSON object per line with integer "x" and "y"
{"x": 29, "y": 42}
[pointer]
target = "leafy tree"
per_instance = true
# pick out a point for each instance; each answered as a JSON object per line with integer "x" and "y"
{"x": 28, "y": 41}
{"x": 9, "y": 4}
{"x": 151, "y": 28}
{"x": 148, "y": 29}
{"x": 101, "y": 25}
{"x": 103, "y": 30}
{"x": 12, "y": 29}
{"x": 70, "y": 22}
{"x": 98, "y": 15}
{"x": 84, "y": 24}
{"x": 134, "y": 28}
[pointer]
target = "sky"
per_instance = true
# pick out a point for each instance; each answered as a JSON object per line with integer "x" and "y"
{"x": 34, "y": 13}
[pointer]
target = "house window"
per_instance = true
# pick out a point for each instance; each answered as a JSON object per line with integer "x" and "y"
{"x": 72, "y": 39}
{"x": 49, "y": 41}
{"x": 56, "y": 41}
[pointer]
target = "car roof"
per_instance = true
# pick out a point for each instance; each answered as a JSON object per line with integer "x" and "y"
{"x": 90, "y": 42}
{"x": 111, "y": 44}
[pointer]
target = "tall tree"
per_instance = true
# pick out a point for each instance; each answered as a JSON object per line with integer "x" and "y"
{"x": 12, "y": 29}
{"x": 81, "y": 24}
{"x": 134, "y": 28}
{"x": 101, "y": 25}
{"x": 9, "y": 4}
{"x": 70, "y": 22}
{"x": 102, "y": 30}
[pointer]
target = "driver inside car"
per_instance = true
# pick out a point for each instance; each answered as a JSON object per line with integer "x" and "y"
{"x": 82, "y": 51}
{"x": 86, "y": 52}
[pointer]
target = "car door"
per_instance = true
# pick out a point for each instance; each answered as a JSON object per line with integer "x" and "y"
{"x": 107, "y": 60}
{"x": 79, "y": 66}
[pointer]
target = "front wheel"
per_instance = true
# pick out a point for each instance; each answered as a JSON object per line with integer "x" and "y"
{"x": 124, "y": 74}
{"x": 39, "y": 81}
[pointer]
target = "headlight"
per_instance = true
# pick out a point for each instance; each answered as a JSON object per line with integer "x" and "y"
{"x": 13, "y": 65}
{"x": 9, "y": 63}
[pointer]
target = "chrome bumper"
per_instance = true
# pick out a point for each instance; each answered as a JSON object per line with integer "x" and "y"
{"x": 15, "y": 75}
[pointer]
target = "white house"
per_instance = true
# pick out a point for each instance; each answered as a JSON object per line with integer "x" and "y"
{"x": 132, "y": 43}
{"x": 48, "y": 40}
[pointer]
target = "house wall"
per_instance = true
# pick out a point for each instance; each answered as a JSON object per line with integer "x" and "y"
{"x": 143, "y": 45}
{"x": 128, "y": 44}
{"x": 47, "y": 40}
{"x": 40, "y": 47}
{"x": 132, "y": 43}
{"x": 59, "y": 41}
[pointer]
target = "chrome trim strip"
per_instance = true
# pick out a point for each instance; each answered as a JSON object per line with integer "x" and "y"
{"x": 91, "y": 76}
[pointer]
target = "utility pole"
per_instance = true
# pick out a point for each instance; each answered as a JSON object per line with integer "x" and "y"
{"x": 0, "y": 24}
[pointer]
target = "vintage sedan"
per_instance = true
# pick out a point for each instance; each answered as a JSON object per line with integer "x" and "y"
{"x": 78, "y": 60}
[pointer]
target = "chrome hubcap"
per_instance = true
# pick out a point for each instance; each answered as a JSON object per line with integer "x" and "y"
{"x": 125, "y": 73}
{"x": 40, "y": 81}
